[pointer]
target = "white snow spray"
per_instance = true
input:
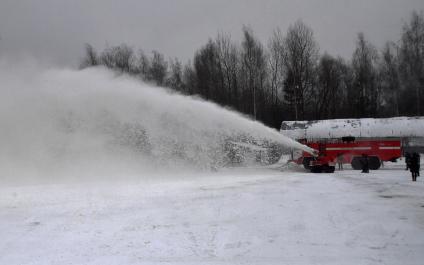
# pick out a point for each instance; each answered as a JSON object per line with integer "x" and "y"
{"x": 93, "y": 122}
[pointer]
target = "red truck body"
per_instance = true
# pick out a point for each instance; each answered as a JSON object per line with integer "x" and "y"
{"x": 330, "y": 151}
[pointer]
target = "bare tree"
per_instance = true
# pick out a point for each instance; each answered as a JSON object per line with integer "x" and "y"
{"x": 389, "y": 79}
{"x": 120, "y": 58}
{"x": 301, "y": 58}
{"x": 364, "y": 64}
{"x": 276, "y": 61}
{"x": 253, "y": 67}
{"x": 330, "y": 89}
{"x": 143, "y": 66}
{"x": 207, "y": 72}
{"x": 175, "y": 78}
{"x": 158, "y": 68}
{"x": 228, "y": 65}
{"x": 189, "y": 79}
{"x": 90, "y": 58}
{"x": 287, "y": 79}
{"x": 412, "y": 60}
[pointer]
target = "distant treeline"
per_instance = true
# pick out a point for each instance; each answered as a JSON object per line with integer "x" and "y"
{"x": 288, "y": 79}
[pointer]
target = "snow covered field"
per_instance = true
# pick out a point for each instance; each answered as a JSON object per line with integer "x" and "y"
{"x": 238, "y": 216}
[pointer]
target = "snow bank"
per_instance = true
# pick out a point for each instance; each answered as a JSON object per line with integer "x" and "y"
{"x": 390, "y": 127}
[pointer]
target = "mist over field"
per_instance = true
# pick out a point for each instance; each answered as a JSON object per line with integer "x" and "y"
{"x": 96, "y": 123}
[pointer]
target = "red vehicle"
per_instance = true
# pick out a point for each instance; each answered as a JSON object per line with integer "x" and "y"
{"x": 349, "y": 151}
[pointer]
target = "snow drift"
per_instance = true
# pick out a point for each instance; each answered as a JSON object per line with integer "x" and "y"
{"x": 95, "y": 122}
{"x": 390, "y": 127}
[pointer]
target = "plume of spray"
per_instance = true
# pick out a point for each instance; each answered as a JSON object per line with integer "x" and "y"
{"x": 93, "y": 122}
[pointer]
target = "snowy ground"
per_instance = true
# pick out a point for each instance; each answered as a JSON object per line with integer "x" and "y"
{"x": 243, "y": 216}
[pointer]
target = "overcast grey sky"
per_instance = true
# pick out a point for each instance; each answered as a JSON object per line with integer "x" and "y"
{"x": 55, "y": 31}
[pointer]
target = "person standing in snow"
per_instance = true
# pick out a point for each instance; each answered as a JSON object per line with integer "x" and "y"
{"x": 414, "y": 166}
{"x": 340, "y": 161}
{"x": 365, "y": 164}
{"x": 407, "y": 160}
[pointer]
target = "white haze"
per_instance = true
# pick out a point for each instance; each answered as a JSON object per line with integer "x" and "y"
{"x": 62, "y": 123}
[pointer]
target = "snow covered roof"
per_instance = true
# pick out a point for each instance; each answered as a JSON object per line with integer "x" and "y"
{"x": 389, "y": 127}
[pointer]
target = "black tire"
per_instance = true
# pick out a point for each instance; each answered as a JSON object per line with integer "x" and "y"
{"x": 329, "y": 169}
{"x": 316, "y": 169}
{"x": 306, "y": 161}
{"x": 374, "y": 162}
{"x": 356, "y": 163}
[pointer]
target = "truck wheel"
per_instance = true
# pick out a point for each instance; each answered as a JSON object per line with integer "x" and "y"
{"x": 316, "y": 169}
{"x": 374, "y": 162}
{"x": 306, "y": 161}
{"x": 329, "y": 169}
{"x": 356, "y": 163}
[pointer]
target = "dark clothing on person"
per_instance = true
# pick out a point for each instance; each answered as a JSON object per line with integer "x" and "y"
{"x": 340, "y": 161}
{"x": 407, "y": 160}
{"x": 415, "y": 166}
{"x": 365, "y": 164}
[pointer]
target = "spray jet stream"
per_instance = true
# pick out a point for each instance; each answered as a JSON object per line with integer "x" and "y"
{"x": 94, "y": 122}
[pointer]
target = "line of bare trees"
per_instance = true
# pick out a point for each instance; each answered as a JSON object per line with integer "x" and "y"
{"x": 288, "y": 79}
